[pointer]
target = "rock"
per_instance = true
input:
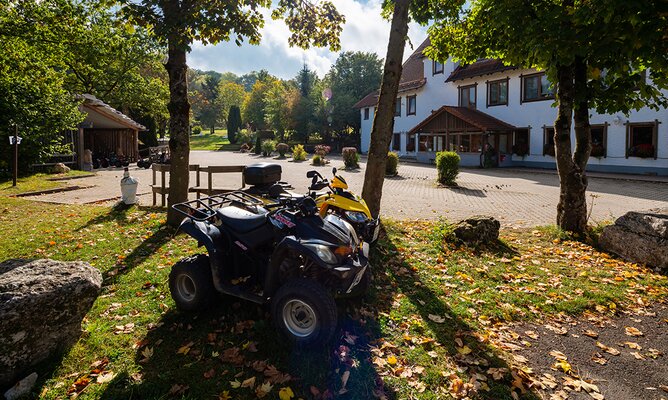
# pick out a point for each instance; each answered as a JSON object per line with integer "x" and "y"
{"x": 42, "y": 303}
{"x": 640, "y": 237}
{"x": 478, "y": 229}
{"x": 22, "y": 387}
{"x": 61, "y": 168}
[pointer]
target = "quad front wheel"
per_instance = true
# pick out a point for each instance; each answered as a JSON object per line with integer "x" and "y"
{"x": 191, "y": 284}
{"x": 304, "y": 312}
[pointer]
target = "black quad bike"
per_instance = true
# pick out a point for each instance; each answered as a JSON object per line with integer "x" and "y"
{"x": 282, "y": 254}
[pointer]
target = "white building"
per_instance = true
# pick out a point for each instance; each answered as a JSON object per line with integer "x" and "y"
{"x": 461, "y": 108}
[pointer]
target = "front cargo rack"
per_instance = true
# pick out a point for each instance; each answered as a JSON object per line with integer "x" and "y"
{"x": 205, "y": 208}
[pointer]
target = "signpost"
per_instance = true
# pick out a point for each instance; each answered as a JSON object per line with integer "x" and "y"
{"x": 15, "y": 140}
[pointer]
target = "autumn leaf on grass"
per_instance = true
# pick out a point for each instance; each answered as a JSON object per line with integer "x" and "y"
{"x": 147, "y": 353}
{"x": 248, "y": 383}
{"x": 263, "y": 390}
{"x": 392, "y": 360}
{"x": 185, "y": 348}
{"x": 633, "y": 345}
{"x": 210, "y": 374}
{"x": 610, "y": 350}
{"x": 105, "y": 377}
{"x": 225, "y": 395}
{"x": 178, "y": 390}
{"x": 286, "y": 393}
{"x": 631, "y": 331}
{"x": 436, "y": 318}
{"x": 235, "y": 384}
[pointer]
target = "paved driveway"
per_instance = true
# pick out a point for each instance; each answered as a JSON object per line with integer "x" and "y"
{"x": 515, "y": 197}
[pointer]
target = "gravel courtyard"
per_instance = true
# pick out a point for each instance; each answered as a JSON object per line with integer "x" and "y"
{"x": 516, "y": 197}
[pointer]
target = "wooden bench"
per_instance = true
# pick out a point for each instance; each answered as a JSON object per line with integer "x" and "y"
{"x": 208, "y": 189}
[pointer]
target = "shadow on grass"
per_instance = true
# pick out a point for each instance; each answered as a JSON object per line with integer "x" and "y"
{"x": 118, "y": 213}
{"x": 401, "y": 278}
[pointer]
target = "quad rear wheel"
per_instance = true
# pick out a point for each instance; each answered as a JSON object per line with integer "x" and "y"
{"x": 304, "y": 312}
{"x": 191, "y": 284}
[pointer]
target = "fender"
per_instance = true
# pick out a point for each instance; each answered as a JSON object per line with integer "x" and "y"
{"x": 211, "y": 238}
{"x": 289, "y": 243}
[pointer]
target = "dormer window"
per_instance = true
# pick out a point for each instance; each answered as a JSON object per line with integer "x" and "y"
{"x": 436, "y": 68}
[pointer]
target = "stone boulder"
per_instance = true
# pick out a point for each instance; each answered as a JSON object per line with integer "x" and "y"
{"x": 478, "y": 229}
{"x": 640, "y": 237}
{"x": 42, "y": 303}
{"x": 60, "y": 168}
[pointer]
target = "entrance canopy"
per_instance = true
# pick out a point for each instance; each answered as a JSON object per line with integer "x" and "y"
{"x": 449, "y": 119}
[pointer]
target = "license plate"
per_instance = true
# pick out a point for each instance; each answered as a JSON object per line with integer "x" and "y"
{"x": 357, "y": 279}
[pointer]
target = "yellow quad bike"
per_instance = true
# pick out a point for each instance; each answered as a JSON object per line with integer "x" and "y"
{"x": 342, "y": 202}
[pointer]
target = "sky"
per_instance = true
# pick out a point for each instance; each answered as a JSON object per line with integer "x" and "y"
{"x": 364, "y": 30}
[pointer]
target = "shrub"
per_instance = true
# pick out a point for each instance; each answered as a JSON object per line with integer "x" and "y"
{"x": 447, "y": 164}
{"x": 282, "y": 149}
{"x": 317, "y": 160}
{"x": 268, "y": 147}
{"x": 322, "y": 150}
{"x": 196, "y": 130}
{"x": 233, "y": 123}
{"x": 298, "y": 153}
{"x": 258, "y": 145}
{"x": 245, "y": 136}
{"x": 392, "y": 164}
{"x": 350, "y": 157}
{"x": 244, "y": 148}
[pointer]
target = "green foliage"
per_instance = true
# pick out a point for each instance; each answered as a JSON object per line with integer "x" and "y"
{"x": 196, "y": 130}
{"x": 277, "y": 107}
{"x": 392, "y": 164}
{"x": 268, "y": 147}
{"x": 233, "y": 123}
{"x": 353, "y": 76}
{"x": 447, "y": 164}
{"x": 350, "y": 157}
{"x": 298, "y": 153}
{"x": 253, "y": 111}
{"x": 245, "y": 137}
{"x": 282, "y": 149}
{"x": 258, "y": 145}
{"x": 317, "y": 160}
{"x": 230, "y": 94}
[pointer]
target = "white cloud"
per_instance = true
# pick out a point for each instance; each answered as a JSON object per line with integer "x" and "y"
{"x": 365, "y": 30}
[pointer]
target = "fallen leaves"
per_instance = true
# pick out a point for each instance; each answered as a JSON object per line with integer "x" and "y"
{"x": 607, "y": 349}
{"x": 631, "y": 331}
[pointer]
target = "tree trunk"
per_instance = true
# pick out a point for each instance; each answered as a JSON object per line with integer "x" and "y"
{"x": 383, "y": 119}
{"x": 572, "y": 207}
{"x": 179, "y": 120}
{"x": 213, "y": 130}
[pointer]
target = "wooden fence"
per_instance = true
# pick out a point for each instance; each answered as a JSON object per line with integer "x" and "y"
{"x": 200, "y": 187}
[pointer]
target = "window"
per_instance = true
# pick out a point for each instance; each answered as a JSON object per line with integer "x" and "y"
{"x": 521, "y": 142}
{"x": 641, "y": 139}
{"x": 432, "y": 143}
{"x": 599, "y": 141}
{"x": 366, "y": 113}
{"x": 436, "y": 68}
{"x": 465, "y": 143}
{"x": 548, "y": 139}
{"x": 411, "y": 105}
{"x": 396, "y": 142}
{"x": 536, "y": 87}
{"x": 467, "y": 95}
{"x": 497, "y": 93}
{"x": 410, "y": 143}
{"x": 397, "y": 108}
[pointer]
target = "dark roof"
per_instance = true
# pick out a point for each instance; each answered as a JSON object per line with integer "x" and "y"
{"x": 481, "y": 67}
{"x": 412, "y": 76}
{"x": 475, "y": 118}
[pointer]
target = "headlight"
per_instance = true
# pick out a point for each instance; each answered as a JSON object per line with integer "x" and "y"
{"x": 323, "y": 252}
{"x": 356, "y": 216}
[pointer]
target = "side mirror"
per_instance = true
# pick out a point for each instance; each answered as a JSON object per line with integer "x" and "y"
{"x": 334, "y": 171}
{"x": 310, "y": 174}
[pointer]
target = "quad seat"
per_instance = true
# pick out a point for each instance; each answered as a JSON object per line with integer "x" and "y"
{"x": 240, "y": 220}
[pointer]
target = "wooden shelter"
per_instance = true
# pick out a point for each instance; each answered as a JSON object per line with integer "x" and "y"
{"x": 106, "y": 130}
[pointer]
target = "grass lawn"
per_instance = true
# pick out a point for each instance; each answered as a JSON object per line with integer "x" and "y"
{"x": 426, "y": 330}
{"x": 207, "y": 141}
{"x": 37, "y": 182}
